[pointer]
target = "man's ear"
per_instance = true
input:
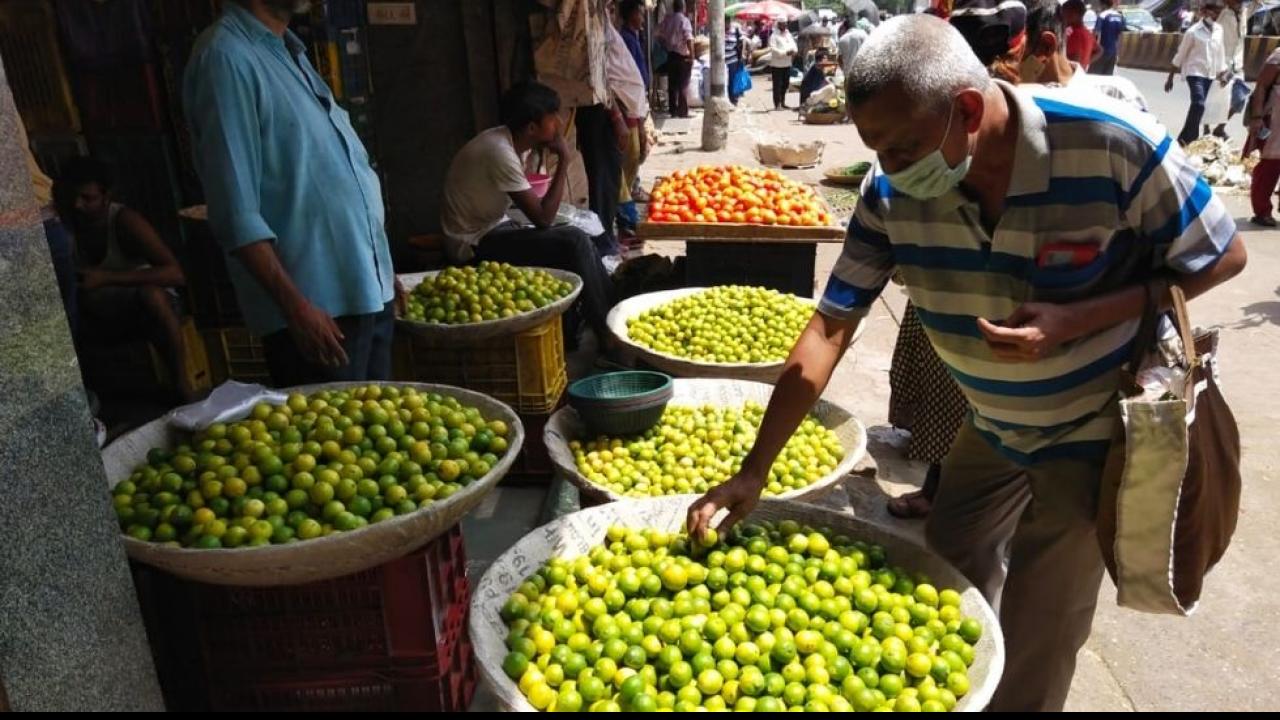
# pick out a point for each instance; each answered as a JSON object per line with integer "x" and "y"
{"x": 971, "y": 104}
{"x": 1048, "y": 44}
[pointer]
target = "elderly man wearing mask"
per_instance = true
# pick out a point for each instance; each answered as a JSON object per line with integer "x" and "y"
{"x": 976, "y": 185}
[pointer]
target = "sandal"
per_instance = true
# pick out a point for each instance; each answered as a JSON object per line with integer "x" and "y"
{"x": 910, "y": 506}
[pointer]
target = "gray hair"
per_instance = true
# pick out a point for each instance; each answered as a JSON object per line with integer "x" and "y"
{"x": 924, "y": 55}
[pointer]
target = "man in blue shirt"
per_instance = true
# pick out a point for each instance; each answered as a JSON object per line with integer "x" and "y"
{"x": 1108, "y": 28}
{"x": 292, "y": 199}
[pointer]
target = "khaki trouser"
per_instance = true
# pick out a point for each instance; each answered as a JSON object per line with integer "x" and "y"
{"x": 630, "y": 163}
{"x": 1042, "y": 518}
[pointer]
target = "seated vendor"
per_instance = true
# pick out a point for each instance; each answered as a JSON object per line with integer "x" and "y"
{"x": 487, "y": 177}
{"x": 126, "y": 274}
{"x": 816, "y": 77}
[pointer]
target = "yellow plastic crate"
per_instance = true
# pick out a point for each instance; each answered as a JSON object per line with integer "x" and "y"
{"x": 526, "y": 371}
{"x": 143, "y": 366}
{"x": 236, "y": 354}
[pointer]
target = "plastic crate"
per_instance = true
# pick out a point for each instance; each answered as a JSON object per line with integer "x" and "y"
{"x": 122, "y": 369}
{"x": 34, "y": 68}
{"x": 393, "y": 637}
{"x": 526, "y": 371}
{"x": 533, "y": 465}
{"x": 447, "y": 690}
{"x": 235, "y": 354}
{"x": 785, "y": 267}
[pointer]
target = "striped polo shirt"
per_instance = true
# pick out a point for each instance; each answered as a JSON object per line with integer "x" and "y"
{"x": 1087, "y": 170}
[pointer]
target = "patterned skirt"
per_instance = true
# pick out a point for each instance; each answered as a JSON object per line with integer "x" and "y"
{"x": 923, "y": 397}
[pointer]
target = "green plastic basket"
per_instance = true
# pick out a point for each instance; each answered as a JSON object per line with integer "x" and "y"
{"x": 621, "y": 403}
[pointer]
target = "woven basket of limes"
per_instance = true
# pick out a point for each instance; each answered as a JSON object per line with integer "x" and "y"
{"x": 615, "y": 608}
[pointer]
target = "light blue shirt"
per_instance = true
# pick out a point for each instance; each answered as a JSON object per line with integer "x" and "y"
{"x": 279, "y": 161}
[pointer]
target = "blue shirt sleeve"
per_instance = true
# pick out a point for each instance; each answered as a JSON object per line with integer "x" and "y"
{"x": 221, "y": 109}
{"x": 866, "y": 262}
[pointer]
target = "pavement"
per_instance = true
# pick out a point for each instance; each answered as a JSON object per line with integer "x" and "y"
{"x": 1132, "y": 661}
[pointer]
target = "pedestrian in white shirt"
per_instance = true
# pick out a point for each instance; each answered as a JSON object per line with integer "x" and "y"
{"x": 782, "y": 51}
{"x": 1200, "y": 58}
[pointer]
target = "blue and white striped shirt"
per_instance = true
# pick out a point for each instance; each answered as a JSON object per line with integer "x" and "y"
{"x": 1088, "y": 170}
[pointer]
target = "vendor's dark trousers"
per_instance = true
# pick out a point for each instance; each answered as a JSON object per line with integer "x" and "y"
{"x": 1199, "y": 87}
{"x": 603, "y": 161}
{"x": 367, "y": 341}
{"x": 563, "y": 247}
{"x": 679, "y": 68}
{"x": 781, "y": 83}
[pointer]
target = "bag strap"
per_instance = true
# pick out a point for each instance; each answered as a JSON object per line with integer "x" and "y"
{"x": 1145, "y": 339}
{"x": 1182, "y": 320}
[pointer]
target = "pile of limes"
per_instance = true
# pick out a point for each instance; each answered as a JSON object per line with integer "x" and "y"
{"x": 329, "y": 462}
{"x": 780, "y": 617}
{"x": 726, "y": 324}
{"x": 693, "y": 449}
{"x": 488, "y": 291}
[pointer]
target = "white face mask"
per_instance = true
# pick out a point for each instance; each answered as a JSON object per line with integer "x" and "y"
{"x": 931, "y": 177}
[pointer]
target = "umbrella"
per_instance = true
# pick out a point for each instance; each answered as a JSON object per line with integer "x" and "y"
{"x": 768, "y": 9}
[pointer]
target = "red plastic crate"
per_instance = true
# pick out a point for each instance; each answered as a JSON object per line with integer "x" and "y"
{"x": 400, "y": 614}
{"x": 533, "y": 465}
{"x": 382, "y": 636}
{"x": 400, "y": 690}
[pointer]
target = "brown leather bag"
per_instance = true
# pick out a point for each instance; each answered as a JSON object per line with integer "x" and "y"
{"x": 1170, "y": 491}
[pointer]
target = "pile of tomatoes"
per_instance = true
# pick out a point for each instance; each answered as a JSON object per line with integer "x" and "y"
{"x": 735, "y": 194}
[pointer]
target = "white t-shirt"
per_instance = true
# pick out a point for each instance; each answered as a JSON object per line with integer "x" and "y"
{"x": 780, "y": 44}
{"x": 476, "y": 190}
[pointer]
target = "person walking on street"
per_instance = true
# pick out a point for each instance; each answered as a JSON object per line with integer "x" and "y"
{"x": 733, "y": 54}
{"x": 1108, "y": 29}
{"x": 782, "y": 53}
{"x": 676, "y": 35}
{"x": 1200, "y": 59}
